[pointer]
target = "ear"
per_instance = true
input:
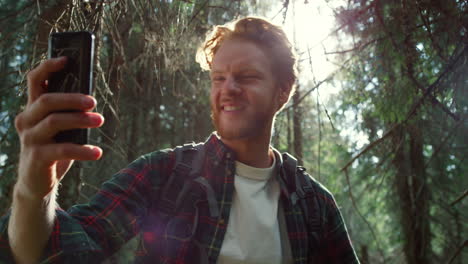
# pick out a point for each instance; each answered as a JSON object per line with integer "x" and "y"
{"x": 283, "y": 96}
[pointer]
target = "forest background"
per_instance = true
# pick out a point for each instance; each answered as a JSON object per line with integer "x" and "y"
{"x": 390, "y": 142}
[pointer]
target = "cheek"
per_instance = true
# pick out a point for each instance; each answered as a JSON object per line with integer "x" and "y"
{"x": 214, "y": 99}
{"x": 213, "y": 95}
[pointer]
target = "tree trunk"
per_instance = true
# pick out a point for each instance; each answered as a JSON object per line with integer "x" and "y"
{"x": 420, "y": 236}
{"x": 413, "y": 194}
{"x": 297, "y": 127}
{"x": 364, "y": 255}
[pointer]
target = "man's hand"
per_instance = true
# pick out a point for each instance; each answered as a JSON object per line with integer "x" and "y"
{"x": 43, "y": 163}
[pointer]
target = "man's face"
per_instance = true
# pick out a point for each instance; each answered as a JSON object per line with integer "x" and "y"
{"x": 244, "y": 93}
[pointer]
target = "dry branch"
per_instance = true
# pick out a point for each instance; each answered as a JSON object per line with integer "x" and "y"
{"x": 370, "y": 146}
{"x": 461, "y": 197}
{"x": 353, "y": 201}
{"x": 310, "y": 91}
{"x": 436, "y": 83}
{"x": 444, "y": 141}
{"x": 465, "y": 244}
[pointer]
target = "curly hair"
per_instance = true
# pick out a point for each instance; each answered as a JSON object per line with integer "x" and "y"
{"x": 267, "y": 36}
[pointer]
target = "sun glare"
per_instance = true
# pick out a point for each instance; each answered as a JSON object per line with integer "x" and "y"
{"x": 309, "y": 26}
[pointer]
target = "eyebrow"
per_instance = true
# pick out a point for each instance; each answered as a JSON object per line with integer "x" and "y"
{"x": 215, "y": 72}
{"x": 247, "y": 69}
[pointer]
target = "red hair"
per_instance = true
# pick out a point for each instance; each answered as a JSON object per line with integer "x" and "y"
{"x": 267, "y": 36}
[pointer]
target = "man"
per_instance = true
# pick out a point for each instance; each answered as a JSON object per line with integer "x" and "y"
{"x": 240, "y": 208}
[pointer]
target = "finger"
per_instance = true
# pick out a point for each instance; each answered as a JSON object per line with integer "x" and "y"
{"x": 55, "y": 102}
{"x": 62, "y": 168}
{"x": 47, "y": 128}
{"x": 49, "y": 153}
{"x": 38, "y": 76}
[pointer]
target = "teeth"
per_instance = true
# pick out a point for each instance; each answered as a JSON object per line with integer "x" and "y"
{"x": 231, "y": 108}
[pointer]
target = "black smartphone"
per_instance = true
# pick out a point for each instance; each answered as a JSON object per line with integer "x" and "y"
{"x": 76, "y": 76}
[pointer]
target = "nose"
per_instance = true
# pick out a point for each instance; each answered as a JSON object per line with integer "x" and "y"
{"x": 230, "y": 86}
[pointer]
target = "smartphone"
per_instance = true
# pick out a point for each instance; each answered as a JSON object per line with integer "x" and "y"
{"x": 76, "y": 76}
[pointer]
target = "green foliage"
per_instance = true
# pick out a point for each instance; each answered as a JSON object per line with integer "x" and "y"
{"x": 16, "y": 49}
{"x": 404, "y": 80}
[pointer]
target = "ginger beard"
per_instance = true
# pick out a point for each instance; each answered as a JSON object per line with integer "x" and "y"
{"x": 251, "y": 127}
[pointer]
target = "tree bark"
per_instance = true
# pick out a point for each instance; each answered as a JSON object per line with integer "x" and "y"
{"x": 413, "y": 194}
{"x": 421, "y": 237}
{"x": 297, "y": 127}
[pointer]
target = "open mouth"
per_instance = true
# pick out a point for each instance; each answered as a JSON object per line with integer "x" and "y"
{"x": 230, "y": 108}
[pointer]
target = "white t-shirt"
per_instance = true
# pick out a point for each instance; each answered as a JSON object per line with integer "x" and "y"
{"x": 256, "y": 231}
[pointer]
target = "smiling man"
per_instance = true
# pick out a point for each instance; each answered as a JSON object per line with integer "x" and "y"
{"x": 245, "y": 97}
{"x": 232, "y": 199}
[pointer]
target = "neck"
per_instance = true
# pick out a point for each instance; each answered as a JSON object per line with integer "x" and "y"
{"x": 254, "y": 152}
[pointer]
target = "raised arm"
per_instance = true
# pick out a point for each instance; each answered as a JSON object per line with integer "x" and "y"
{"x": 43, "y": 163}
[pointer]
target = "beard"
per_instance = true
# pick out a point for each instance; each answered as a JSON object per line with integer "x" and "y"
{"x": 251, "y": 127}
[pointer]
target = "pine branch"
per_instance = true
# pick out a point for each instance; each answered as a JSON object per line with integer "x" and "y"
{"x": 461, "y": 197}
{"x": 18, "y": 12}
{"x": 359, "y": 47}
{"x": 197, "y": 12}
{"x": 413, "y": 110}
{"x": 429, "y": 31}
{"x": 370, "y": 146}
{"x": 435, "y": 84}
{"x": 465, "y": 244}
{"x": 433, "y": 99}
{"x": 444, "y": 141}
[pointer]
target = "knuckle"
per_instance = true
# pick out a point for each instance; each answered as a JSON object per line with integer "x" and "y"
{"x": 27, "y": 138}
{"x": 30, "y": 75}
{"x": 19, "y": 122}
{"x": 51, "y": 121}
{"x": 44, "y": 99}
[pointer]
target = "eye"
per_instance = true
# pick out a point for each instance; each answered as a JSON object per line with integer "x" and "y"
{"x": 248, "y": 78}
{"x": 217, "y": 78}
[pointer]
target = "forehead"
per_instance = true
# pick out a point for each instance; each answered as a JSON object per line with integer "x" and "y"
{"x": 234, "y": 55}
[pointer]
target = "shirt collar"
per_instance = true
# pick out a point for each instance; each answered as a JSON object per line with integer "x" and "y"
{"x": 219, "y": 151}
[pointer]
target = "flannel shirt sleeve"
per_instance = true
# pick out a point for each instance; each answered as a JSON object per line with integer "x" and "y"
{"x": 79, "y": 244}
{"x": 337, "y": 243}
{"x": 91, "y": 232}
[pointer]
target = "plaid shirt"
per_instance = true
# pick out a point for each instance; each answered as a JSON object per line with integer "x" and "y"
{"x": 127, "y": 205}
